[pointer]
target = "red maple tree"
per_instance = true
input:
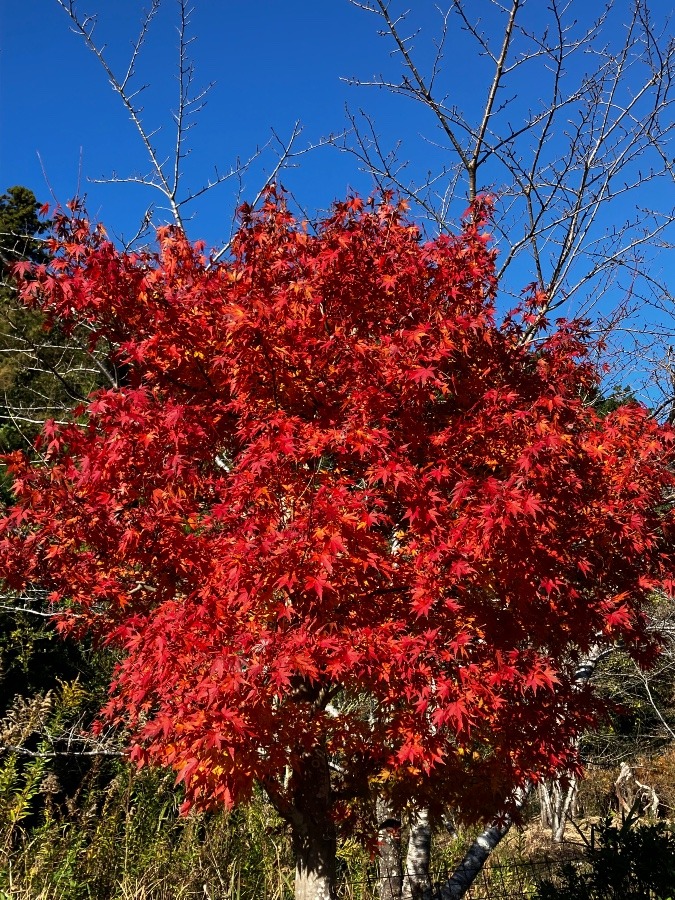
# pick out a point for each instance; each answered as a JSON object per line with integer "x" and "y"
{"x": 346, "y": 527}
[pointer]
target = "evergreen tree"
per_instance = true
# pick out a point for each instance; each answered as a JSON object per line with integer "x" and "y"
{"x": 43, "y": 371}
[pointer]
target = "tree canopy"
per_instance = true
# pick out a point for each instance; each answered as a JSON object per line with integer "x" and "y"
{"x": 347, "y": 527}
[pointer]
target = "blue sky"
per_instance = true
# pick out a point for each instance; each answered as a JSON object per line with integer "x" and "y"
{"x": 273, "y": 64}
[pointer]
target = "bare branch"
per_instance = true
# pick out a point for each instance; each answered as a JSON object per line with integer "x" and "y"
{"x": 577, "y": 123}
{"x": 56, "y": 754}
{"x": 84, "y": 26}
{"x": 420, "y": 88}
{"x": 285, "y": 154}
{"x": 492, "y": 93}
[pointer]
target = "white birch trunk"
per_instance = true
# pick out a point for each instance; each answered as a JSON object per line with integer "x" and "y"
{"x": 557, "y": 803}
{"x": 416, "y": 882}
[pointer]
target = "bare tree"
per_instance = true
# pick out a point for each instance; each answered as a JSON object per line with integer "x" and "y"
{"x": 166, "y": 172}
{"x": 574, "y": 136}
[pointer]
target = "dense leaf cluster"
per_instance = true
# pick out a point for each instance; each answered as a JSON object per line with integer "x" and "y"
{"x": 338, "y": 504}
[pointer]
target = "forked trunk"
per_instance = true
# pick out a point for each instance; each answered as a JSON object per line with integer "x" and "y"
{"x": 314, "y": 834}
{"x": 557, "y": 799}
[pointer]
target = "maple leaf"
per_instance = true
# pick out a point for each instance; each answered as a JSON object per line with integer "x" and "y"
{"x": 422, "y": 374}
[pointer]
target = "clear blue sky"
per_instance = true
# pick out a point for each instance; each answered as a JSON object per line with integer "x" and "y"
{"x": 273, "y": 62}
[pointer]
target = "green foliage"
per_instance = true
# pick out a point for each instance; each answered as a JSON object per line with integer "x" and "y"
{"x": 43, "y": 371}
{"x": 34, "y": 659}
{"x": 640, "y": 702}
{"x": 83, "y": 827}
{"x": 626, "y": 862}
{"x": 20, "y": 226}
{"x": 604, "y": 404}
{"x": 121, "y": 837}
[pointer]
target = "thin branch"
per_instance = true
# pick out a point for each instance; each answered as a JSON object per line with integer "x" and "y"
{"x": 422, "y": 89}
{"x": 284, "y": 156}
{"x": 57, "y": 754}
{"x": 492, "y": 93}
{"x": 84, "y": 27}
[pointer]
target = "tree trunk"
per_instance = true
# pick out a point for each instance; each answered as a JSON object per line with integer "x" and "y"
{"x": 416, "y": 878}
{"x": 313, "y": 829}
{"x": 389, "y": 863}
{"x": 474, "y": 860}
{"x": 476, "y": 856}
{"x": 557, "y": 800}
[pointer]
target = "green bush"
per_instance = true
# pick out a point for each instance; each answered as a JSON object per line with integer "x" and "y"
{"x": 627, "y": 862}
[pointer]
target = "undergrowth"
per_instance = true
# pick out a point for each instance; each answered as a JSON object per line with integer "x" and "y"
{"x": 94, "y": 828}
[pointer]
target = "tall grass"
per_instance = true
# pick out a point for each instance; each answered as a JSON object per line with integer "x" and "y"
{"x": 122, "y": 838}
{"x": 94, "y": 828}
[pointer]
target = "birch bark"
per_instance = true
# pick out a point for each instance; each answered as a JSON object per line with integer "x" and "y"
{"x": 416, "y": 881}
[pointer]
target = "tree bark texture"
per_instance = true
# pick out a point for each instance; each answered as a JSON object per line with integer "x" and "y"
{"x": 477, "y": 855}
{"x": 389, "y": 862}
{"x": 416, "y": 882}
{"x": 313, "y": 829}
{"x": 557, "y": 799}
{"x": 474, "y": 860}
